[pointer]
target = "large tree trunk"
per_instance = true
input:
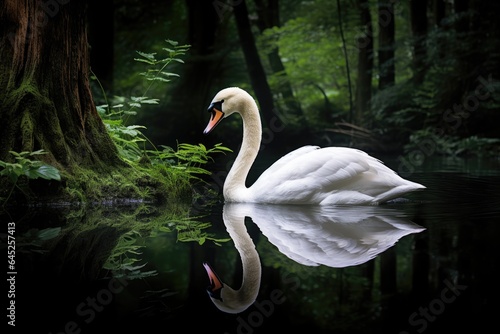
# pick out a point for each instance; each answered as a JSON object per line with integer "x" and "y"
{"x": 46, "y": 103}
{"x": 365, "y": 63}
{"x": 44, "y": 74}
{"x": 255, "y": 69}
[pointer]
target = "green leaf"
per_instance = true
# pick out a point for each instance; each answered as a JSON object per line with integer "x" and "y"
{"x": 151, "y": 101}
{"x": 49, "y": 233}
{"x": 173, "y": 43}
{"x": 39, "y": 152}
{"x": 45, "y": 172}
{"x": 145, "y": 61}
{"x": 169, "y": 74}
{"x": 136, "y": 127}
{"x": 150, "y": 56}
{"x": 101, "y": 109}
{"x": 158, "y": 79}
{"x": 134, "y": 104}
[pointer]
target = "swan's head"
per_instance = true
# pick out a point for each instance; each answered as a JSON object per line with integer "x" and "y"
{"x": 227, "y": 102}
{"x": 215, "y": 288}
{"x": 226, "y": 298}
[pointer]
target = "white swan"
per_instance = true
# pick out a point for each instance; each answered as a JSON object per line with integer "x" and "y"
{"x": 308, "y": 175}
{"x": 334, "y": 236}
{"x": 223, "y": 296}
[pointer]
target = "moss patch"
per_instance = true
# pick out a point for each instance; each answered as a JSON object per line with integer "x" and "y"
{"x": 116, "y": 185}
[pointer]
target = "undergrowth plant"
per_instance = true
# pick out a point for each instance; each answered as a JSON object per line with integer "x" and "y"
{"x": 25, "y": 165}
{"x": 132, "y": 144}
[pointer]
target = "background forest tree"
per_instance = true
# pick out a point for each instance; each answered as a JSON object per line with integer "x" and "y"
{"x": 417, "y": 68}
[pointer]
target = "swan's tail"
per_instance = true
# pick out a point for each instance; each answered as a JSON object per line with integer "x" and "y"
{"x": 398, "y": 191}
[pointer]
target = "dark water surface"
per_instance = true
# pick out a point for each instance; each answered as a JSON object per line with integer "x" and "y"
{"x": 428, "y": 265}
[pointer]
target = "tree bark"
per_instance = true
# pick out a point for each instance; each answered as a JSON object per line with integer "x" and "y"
{"x": 46, "y": 101}
{"x": 387, "y": 71}
{"x": 255, "y": 69}
{"x": 365, "y": 62}
{"x": 268, "y": 17}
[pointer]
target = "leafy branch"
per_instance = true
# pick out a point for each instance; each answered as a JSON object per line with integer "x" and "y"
{"x": 24, "y": 165}
{"x": 188, "y": 157}
{"x": 130, "y": 140}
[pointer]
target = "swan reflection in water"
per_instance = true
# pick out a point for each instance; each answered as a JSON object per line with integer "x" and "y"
{"x": 336, "y": 237}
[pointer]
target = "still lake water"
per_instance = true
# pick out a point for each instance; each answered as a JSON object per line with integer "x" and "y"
{"x": 427, "y": 265}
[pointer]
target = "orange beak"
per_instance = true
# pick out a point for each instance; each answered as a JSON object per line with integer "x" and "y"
{"x": 215, "y": 118}
{"x": 215, "y": 283}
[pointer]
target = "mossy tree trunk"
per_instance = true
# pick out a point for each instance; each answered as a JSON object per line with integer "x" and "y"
{"x": 45, "y": 97}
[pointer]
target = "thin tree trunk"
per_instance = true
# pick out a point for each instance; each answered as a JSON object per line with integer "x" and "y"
{"x": 418, "y": 19}
{"x": 365, "y": 63}
{"x": 348, "y": 71}
{"x": 439, "y": 12}
{"x": 268, "y": 17}
{"x": 461, "y": 7}
{"x": 387, "y": 72}
{"x": 255, "y": 69}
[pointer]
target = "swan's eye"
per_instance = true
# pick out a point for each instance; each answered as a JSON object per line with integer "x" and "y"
{"x": 216, "y": 105}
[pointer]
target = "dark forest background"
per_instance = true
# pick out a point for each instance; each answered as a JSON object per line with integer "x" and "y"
{"x": 385, "y": 75}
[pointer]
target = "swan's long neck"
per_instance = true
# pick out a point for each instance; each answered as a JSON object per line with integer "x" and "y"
{"x": 235, "y": 189}
{"x": 235, "y": 301}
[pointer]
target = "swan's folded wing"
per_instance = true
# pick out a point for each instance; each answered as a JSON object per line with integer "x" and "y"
{"x": 308, "y": 174}
{"x": 336, "y": 237}
{"x": 286, "y": 159}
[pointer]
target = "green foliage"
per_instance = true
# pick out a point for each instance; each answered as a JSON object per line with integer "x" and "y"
{"x": 125, "y": 256}
{"x": 156, "y": 69}
{"x": 310, "y": 59}
{"x": 191, "y": 229}
{"x": 131, "y": 142}
{"x": 444, "y": 108}
{"x": 187, "y": 158}
{"x": 25, "y": 165}
{"x": 174, "y": 167}
{"x": 453, "y": 145}
{"x": 129, "y": 139}
{"x": 125, "y": 260}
